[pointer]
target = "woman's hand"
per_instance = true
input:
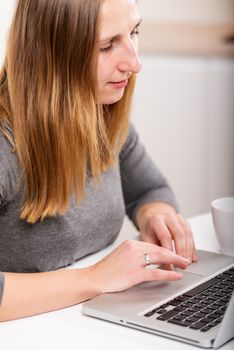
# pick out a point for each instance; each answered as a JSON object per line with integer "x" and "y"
{"x": 125, "y": 266}
{"x": 161, "y": 225}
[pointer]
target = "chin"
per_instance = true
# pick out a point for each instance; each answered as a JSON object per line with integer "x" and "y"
{"x": 108, "y": 100}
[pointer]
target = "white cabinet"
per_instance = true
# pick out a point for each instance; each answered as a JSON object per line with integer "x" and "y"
{"x": 221, "y": 144}
{"x": 183, "y": 111}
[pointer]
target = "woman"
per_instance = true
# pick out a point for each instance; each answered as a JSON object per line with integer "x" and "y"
{"x": 70, "y": 167}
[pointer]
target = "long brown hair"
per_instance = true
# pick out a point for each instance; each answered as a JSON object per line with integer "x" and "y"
{"x": 47, "y": 98}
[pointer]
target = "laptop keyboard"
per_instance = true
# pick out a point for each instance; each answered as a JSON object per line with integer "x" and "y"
{"x": 201, "y": 308}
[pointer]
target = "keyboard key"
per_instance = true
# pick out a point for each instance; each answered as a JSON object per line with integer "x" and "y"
{"x": 199, "y": 297}
{"x": 214, "y": 315}
{"x": 197, "y": 300}
{"x": 224, "y": 308}
{"x": 208, "y": 301}
{"x": 212, "y": 324}
{"x": 220, "y": 286}
{"x": 213, "y": 290}
{"x": 231, "y": 278}
{"x": 220, "y": 303}
{"x": 220, "y": 294}
{"x": 213, "y": 307}
{"x": 161, "y": 311}
{"x": 180, "y": 323}
{"x": 207, "y": 311}
{"x": 193, "y": 319}
{"x": 198, "y": 325}
{"x": 174, "y": 302}
{"x": 220, "y": 312}
{"x": 206, "y": 293}
{"x": 179, "y": 308}
{"x": 226, "y": 299}
{"x": 194, "y": 309}
{"x": 202, "y": 287}
{"x": 186, "y": 313}
{"x": 214, "y": 297}
{"x": 199, "y": 306}
{"x": 223, "y": 284}
{"x": 167, "y": 315}
{"x": 229, "y": 272}
{"x": 187, "y": 304}
{"x": 201, "y": 314}
{"x": 222, "y": 276}
{"x": 179, "y": 317}
{"x": 181, "y": 298}
{"x": 206, "y": 328}
{"x": 150, "y": 313}
{"x": 218, "y": 320}
{"x": 202, "y": 305}
{"x": 193, "y": 301}
{"x": 207, "y": 319}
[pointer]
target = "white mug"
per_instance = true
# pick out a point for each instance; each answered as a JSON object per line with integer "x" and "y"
{"x": 222, "y": 210}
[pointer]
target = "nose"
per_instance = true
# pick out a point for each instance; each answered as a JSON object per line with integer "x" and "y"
{"x": 129, "y": 59}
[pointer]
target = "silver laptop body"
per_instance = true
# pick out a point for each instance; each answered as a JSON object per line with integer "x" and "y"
{"x": 129, "y": 307}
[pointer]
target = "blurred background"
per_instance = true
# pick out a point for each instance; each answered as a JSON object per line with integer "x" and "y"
{"x": 184, "y": 102}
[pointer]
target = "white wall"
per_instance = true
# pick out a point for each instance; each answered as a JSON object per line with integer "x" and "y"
{"x": 208, "y": 11}
{"x": 6, "y": 12}
{"x": 184, "y": 113}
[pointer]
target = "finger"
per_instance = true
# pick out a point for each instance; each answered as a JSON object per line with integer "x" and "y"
{"x": 191, "y": 249}
{"x": 188, "y": 236}
{"x": 163, "y": 275}
{"x": 160, "y": 230}
{"x": 163, "y": 256}
{"x": 149, "y": 237}
{"x": 178, "y": 235}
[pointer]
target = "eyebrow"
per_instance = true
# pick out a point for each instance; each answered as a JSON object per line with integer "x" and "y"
{"x": 116, "y": 36}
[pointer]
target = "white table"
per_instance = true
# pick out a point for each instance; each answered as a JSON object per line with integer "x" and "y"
{"x": 70, "y": 329}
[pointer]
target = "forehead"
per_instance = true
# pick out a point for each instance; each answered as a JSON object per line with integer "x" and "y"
{"x": 117, "y": 16}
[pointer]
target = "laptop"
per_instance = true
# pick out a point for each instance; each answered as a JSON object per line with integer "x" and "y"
{"x": 199, "y": 309}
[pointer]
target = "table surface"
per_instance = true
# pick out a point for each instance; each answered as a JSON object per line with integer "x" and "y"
{"x": 69, "y": 328}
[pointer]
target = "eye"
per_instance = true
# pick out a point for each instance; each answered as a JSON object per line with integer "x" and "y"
{"x": 105, "y": 49}
{"x": 135, "y": 32}
{"x": 108, "y": 47}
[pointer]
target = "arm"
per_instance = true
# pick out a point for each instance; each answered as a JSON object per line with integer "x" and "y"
{"x": 142, "y": 181}
{"x": 27, "y": 294}
{"x": 150, "y": 202}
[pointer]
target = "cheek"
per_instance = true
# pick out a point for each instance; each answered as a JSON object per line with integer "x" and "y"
{"x": 104, "y": 71}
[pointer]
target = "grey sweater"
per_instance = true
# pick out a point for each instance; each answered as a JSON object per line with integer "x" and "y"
{"x": 60, "y": 241}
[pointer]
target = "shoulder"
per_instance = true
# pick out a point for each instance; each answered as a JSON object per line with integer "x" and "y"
{"x": 131, "y": 141}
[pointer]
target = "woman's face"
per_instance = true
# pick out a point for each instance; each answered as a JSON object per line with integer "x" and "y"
{"x": 118, "y": 48}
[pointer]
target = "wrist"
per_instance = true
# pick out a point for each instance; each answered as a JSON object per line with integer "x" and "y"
{"x": 86, "y": 278}
{"x": 156, "y": 208}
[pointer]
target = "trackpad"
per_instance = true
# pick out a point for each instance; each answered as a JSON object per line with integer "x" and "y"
{"x": 169, "y": 288}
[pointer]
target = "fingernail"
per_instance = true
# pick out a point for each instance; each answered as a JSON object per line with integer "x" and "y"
{"x": 179, "y": 275}
{"x": 171, "y": 267}
{"x": 189, "y": 260}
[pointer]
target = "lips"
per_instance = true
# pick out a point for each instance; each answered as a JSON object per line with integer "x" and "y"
{"x": 119, "y": 84}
